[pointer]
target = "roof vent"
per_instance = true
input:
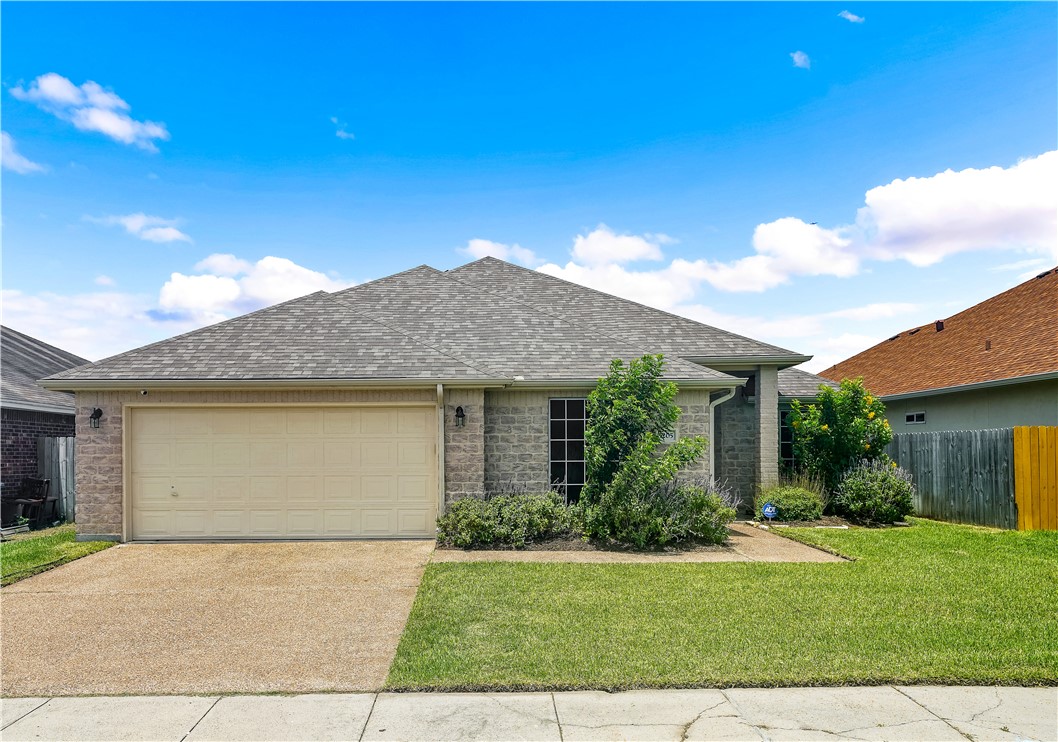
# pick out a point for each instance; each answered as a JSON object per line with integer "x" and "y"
{"x": 1046, "y": 273}
{"x": 988, "y": 345}
{"x": 912, "y": 332}
{"x": 894, "y": 337}
{"x": 939, "y": 324}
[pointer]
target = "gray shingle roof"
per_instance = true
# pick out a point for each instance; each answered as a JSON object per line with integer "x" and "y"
{"x": 498, "y": 333}
{"x": 639, "y": 324}
{"x": 486, "y": 321}
{"x": 23, "y": 360}
{"x": 794, "y": 382}
{"x": 314, "y": 337}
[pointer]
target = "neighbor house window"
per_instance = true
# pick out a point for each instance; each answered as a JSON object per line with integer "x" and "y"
{"x": 567, "y": 418}
{"x": 915, "y": 418}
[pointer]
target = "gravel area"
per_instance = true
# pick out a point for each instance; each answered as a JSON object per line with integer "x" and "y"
{"x": 744, "y": 544}
{"x": 211, "y": 618}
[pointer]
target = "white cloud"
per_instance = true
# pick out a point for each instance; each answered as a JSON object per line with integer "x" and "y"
{"x": 90, "y": 107}
{"x": 341, "y": 132}
{"x": 924, "y": 220}
{"x": 99, "y": 324}
{"x": 478, "y": 248}
{"x": 102, "y": 280}
{"x": 603, "y": 246}
{"x": 228, "y": 286}
{"x": 800, "y": 59}
{"x": 851, "y": 17}
{"x": 12, "y": 160}
{"x": 149, "y": 228}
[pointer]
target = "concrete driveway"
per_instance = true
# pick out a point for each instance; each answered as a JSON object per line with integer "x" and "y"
{"x": 211, "y": 618}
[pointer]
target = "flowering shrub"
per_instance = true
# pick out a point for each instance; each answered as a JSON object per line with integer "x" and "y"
{"x": 876, "y": 492}
{"x": 842, "y": 427}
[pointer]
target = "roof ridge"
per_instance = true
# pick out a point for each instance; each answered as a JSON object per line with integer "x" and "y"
{"x": 490, "y": 258}
{"x": 385, "y": 278}
{"x": 39, "y": 347}
{"x": 420, "y": 341}
{"x": 572, "y": 323}
{"x": 59, "y": 376}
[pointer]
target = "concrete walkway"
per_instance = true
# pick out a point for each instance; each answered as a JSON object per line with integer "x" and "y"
{"x": 744, "y": 544}
{"x": 878, "y": 713}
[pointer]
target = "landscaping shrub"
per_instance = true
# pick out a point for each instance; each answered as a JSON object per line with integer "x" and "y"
{"x": 842, "y": 427}
{"x": 792, "y": 503}
{"x": 876, "y": 492}
{"x": 668, "y": 513}
{"x": 504, "y": 520}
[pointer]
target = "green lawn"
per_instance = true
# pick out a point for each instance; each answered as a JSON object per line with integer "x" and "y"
{"x": 31, "y": 553}
{"x": 934, "y": 603}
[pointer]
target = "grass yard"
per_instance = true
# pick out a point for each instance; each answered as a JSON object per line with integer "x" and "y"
{"x": 934, "y": 603}
{"x": 31, "y": 553}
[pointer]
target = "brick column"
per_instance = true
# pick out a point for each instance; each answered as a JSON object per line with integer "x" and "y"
{"x": 464, "y": 447}
{"x": 767, "y": 410}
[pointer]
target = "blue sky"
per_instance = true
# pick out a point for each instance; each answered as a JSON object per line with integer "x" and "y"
{"x": 779, "y": 170}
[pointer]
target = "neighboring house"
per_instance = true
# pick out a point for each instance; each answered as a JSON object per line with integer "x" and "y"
{"x": 994, "y": 365}
{"x": 28, "y": 409}
{"x": 360, "y": 413}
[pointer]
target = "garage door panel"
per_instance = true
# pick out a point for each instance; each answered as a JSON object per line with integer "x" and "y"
{"x": 341, "y": 489}
{"x": 230, "y": 490}
{"x": 234, "y": 455}
{"x": 377, "y": 522}
{"x": 282, "y": 472}
{"x": 415, "y": 522}
{"x": 266, "y": 523}
{"x": 230, "y": 523}
{"x": 193, "y": 454}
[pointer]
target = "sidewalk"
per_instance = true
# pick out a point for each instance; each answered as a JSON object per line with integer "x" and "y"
{"x": 878, "y": 713}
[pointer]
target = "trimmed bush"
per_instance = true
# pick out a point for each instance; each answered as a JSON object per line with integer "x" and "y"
{"x": 512, "y": 520}
{"x": 875, "y": 492}
{"x": 792, "y": 503}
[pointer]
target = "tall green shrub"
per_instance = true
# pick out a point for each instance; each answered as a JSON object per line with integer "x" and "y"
{"x": 841, "y": 428}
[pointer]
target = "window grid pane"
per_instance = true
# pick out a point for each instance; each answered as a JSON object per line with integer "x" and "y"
{"x": 566, "y": 425}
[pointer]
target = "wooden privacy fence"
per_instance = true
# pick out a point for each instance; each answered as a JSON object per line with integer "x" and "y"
{"x": 55, "y": 458}
{"x": 1006, "y": 478}
{"x": 1036, "y": 477}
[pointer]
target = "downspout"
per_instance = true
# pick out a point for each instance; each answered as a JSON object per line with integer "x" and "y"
{"x": 712, "y": 438}
{"x": 440, "y": 449}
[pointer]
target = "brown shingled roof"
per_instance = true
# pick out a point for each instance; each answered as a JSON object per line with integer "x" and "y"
{"x": 1010, "y": 335}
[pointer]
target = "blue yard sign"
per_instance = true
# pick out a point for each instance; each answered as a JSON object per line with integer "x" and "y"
{"x": 769, "y": 510}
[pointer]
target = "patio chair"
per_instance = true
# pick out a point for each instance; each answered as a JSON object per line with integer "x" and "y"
{"x": 35, "y": 502}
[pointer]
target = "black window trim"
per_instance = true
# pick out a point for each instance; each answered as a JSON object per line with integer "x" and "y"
{"x": 565, "y": 488}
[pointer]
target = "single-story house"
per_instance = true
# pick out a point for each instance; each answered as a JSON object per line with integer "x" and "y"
{"x": 361, "y": 413}
{"x": 994, "y": 365}
{"x": 28, "y": 410}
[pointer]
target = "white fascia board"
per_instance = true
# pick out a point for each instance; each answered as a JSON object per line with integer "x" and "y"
{"x": 31, "y": 407}
{"x": 735, "y": 363}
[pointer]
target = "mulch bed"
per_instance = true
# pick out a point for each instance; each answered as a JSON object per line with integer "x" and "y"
{"x": 832, "y": 521}
{"x": 574, "y": 543}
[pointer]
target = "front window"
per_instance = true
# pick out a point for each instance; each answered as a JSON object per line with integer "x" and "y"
{"x": 786, "y": 455}
{"x": 567, "y": 419}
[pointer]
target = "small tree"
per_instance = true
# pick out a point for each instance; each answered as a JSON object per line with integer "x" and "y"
{"x": 629, "y": 412}
{"x": 842, "y": 428}
{"x": 630, "y": 494}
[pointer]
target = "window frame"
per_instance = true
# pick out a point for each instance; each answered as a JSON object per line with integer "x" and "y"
{"x": 565, "y": 487}
{"x": 910, "y": 418}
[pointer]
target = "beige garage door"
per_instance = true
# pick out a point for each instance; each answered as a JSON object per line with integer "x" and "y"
{"x": 282, "y": 472}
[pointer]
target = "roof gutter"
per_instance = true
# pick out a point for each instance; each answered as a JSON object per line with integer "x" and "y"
{"x": 1046, "y": 376}
{"x": 31, "y": 407}
{"x": 76, "y": 385}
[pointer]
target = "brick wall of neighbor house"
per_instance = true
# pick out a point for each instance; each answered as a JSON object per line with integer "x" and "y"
{"x": 465, "y": 446}
{"x": 516, "y": 435}
{"x": 735, "y": 429}
{"x": 18, "y": 441}
{"x": 99, "y": 469}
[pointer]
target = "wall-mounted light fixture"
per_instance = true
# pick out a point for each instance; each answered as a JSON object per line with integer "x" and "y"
{"x": 461, "y": 418}
{"x": 93, "y": 419}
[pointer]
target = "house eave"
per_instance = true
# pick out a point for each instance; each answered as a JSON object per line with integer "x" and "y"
{"x": 31, "y": 407}
{"x": 735, "y": 363}
{"x": 591, "y": 383}
{"x": 71, "y": 385}
{"x": 1046, "y": 376}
